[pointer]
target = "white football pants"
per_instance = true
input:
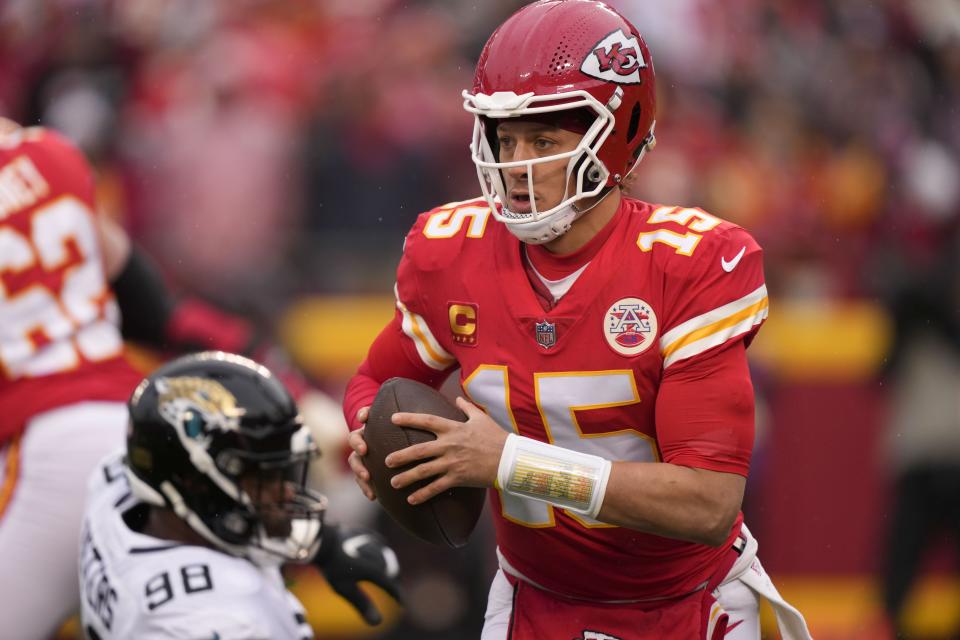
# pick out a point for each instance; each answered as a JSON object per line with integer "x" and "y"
{"x": 40, "y": 527}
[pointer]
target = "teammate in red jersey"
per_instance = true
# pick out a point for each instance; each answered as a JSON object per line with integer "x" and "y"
{"x": 63, "y": 377}
{"x": 602, "y": 343}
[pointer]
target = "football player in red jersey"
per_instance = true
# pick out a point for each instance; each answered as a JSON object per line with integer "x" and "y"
{"x": 64, "y": 380}
{"x": 602, "y": 343}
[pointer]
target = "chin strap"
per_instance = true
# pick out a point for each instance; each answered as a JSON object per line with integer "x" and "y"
{"x": 545, "y": 230}
{"x": 554, "y": 226}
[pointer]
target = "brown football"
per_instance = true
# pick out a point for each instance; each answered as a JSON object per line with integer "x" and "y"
{"x": 446, "y": 519}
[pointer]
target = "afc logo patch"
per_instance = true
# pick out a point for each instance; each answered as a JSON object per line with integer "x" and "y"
{"x": 463, "y": 322}
{"x": 630, "y": 326}
{"x": 617, "y": 58}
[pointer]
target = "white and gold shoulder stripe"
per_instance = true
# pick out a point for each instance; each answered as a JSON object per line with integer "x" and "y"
{"x": 415, "y": 327}
{"x": 713, "y": 328}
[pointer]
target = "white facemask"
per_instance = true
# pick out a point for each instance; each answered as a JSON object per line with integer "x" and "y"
{"x": 589, "y": 175}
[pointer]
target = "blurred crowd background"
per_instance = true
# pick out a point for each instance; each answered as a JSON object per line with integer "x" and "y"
{"x": 271, "y": 154}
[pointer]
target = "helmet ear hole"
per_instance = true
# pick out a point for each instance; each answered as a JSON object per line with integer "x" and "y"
{"x": 234, "y": 526}
{"x": 594, "y": 174}
{"x": 633, "y": 128}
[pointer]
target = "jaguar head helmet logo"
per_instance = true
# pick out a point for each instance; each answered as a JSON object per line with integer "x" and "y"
{"x": 198, "y": 406}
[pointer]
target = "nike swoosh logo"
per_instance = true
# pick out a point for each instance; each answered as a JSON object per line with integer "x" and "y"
{"x": 731, "y": 627}
{"x": 731, "y": 265}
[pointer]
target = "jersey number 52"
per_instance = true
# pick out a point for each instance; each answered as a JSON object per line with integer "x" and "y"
{"x": 54, "y": 297}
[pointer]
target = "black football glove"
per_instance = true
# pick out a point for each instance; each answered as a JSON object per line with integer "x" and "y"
{"x": 348, "y": 555}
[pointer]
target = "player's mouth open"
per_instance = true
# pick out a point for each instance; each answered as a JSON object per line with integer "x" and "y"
{"x": 520, "y": 202}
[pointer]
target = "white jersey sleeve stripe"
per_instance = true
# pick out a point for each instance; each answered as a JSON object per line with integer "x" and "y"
{"x": 714, "y": 327}
{"x": 720, "y": 325}
{"x": 415, "y": 327}
{"x": 711, "y": 317}
{"x": 723, "y": 334}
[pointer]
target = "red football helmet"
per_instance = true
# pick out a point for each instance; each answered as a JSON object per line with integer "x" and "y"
{"x": 564, "y": 55}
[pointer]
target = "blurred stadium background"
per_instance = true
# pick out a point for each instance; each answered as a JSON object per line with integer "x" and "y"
{"x": 272, "y": 154}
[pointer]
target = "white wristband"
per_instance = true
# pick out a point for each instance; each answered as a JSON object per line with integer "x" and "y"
{"x": 564, "y": 478}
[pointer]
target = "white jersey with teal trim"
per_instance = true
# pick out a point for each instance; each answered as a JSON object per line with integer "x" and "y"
{"x": 137, "y": 586}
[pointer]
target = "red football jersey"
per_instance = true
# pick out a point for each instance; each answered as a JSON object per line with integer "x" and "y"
{"x": 641, "y": 360}
{"x": 59, "y": 324}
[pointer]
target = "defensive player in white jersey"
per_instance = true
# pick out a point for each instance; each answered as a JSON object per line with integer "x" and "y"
{"x": 185, "y": 535}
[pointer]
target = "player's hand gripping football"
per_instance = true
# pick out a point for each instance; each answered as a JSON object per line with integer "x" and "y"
{"x": 349, "y": 555}
{"x": 465, "y": 454}
{"x": 355, "y": 460}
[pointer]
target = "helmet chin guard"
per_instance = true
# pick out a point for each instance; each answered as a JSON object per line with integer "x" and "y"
{"x": 549, "y": 227}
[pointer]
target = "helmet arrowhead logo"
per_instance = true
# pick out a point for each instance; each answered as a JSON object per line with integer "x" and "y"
{"x": 617, "y": 58}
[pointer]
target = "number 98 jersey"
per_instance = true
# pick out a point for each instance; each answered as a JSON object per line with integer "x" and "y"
{"x": 642, "y": 360}
{"x": 137, "y": 586}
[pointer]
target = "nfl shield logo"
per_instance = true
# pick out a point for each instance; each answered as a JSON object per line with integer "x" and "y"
{"x": 546, "y": 334}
